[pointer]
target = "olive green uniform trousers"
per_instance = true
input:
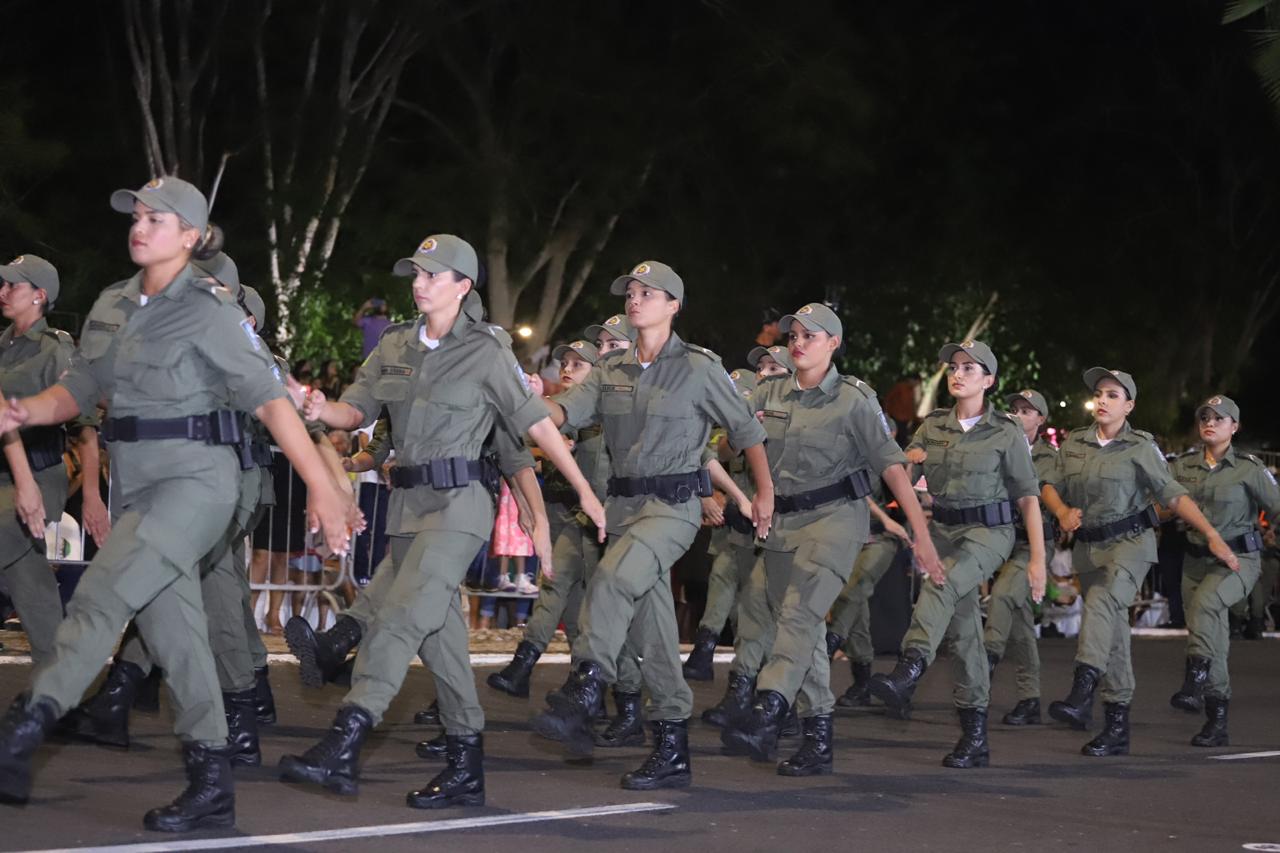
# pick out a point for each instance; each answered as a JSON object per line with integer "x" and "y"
{"x": 25, "y": 575}
{"x": 224, "y": 585}
{"x": 133, "y": 578}
{"x": 851, "y": 614}
{"x": 1011, "y": 623}
{"x": 1209, "y": 589}
{"x": 1255, "y": 606}
{"x": 1109, "y": 591}
{"x": 629, "y": 603}
{"x": 952, "y": 612}
{"x": 415, "y": 609}
{"x": 576, "y": 554}
{"x": 730, "y": 575}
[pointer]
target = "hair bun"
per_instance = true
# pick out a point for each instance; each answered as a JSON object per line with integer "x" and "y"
{"x": 211, "y": 243}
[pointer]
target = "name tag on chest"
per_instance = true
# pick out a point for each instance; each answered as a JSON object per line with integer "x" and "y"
{"x": 618, "y": 389}
{"x": 396, "y": 370}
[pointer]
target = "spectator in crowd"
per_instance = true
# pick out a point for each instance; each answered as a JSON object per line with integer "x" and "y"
{"x": 372, "y": 320}
{"x": 330, "y": 380}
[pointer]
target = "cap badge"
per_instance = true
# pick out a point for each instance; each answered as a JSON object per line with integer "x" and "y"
{"x": 576, "y": 345}
{"x": 1216, "y": 401}
{"x": 808, "y": 309}
{"x": 153, "y": 184}
{"x": 428, "y": 245}
{"x": 967, "y": 344}
{"x": 1026, "y": 394}
{"x": 1114, "y": 372}
{"x": 17, "y": 260}
{"x": 774, "y": 350}
{"x": 614, "y": 320}
{"x": 642, "y": 269}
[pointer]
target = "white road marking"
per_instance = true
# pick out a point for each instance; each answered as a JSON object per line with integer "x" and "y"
{"x": 363, "y": 832}
{"x": 479, "y": 659}
{"x": 1240, "y": 755}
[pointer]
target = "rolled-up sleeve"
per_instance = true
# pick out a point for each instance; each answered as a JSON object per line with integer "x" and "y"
{"x": 871, "y": 431}
{"x": 233, "y": 348}
{"x": 1020, "y": 478}
{"x": 581, "y": 403}
{"x": 511, "y": 453}
{"x": 722, "y": 403}
{"x": 1155, "y": 476}
{"x": 510, "y": 394}
{"x": 1262, "y": 486}
{"x": 359, "y": 393}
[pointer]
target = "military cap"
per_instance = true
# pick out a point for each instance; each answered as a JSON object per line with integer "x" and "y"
{"x": 1094, "y": 375}
{"x": 222, "y": 270}
{"x": 617, "y": 326}
{"x": 441, "y": 252}
{"x": 257, "y": 307}
{"x": 653, "y": 273}
{"x": 1224, "y": 406}
{"x": 34, "y": 270}
{"x": 976, "y": 350}
{"x": 169, "y": 194}
{"x": 815, "y": 317}
{"x": 1035, "y": 398}
{"x": 583, "y": 349}
{"x": 780, "y": 354}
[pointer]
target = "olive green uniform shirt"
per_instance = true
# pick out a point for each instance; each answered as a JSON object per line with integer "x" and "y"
{"x": 817, "y": 437}
{"x": 656, "y": 420}
{"x": 189, "y": 350}
{"x": 1231, "y": 494}
{"x": 443, "y": 403}
{"x": 989, "y": 463}
{"x": 1114, "y": 482}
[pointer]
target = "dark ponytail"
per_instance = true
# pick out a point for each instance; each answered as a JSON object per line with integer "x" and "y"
{"x": 211, "y": 243}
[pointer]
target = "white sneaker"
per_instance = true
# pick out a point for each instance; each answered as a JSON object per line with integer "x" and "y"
{"x": 505, "y": 585}
{"x": 525, "y": 585}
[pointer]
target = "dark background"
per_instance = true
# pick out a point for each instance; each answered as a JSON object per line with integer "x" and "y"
{"x": 1109, "y": 170}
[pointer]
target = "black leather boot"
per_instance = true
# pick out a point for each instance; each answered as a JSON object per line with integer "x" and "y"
{"x": 735, "y": 705}
{"x": 461, "y": 782}
{"x": 1077, "y": 709}
{"x": 210, "y": 796}
{"x": 147, "y": 697}
{"x": 1025, "y": 713}
{"x": 428, "y": 716}
{"x": 834, "y": 642}
{"x": 514, "y": 677}
{"x": 104, "y": 717}
{"x": 859, "y": 693}
{"x": 1114, "y": 739}
{"x": 332, "y": 762}
{"x": 668, "y": 765}
{"x": 757, "y": 735}
{"x": 1214, "y": 732}
{"x": 815, "y": 757}
{"x": 790, "y": 725}
{"x": 264, "y": 699}
{"x": 972, "y": 749}
{"x": 700, "y": 664}
{"x": 321, "y": 654}
{"x": 896, "y": 689}
{"x": 993, "y": 660}
{"x": 1254, "y": 628}
{"x": 627, "y": 728}
{"x": 22, "y": 730}
{"x": 1190, "y": 697}
{"x": 242, "y": 728}
{"x": 434, "y": 748}
{"x": 568, "y": 720}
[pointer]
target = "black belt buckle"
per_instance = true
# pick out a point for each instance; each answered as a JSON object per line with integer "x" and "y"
{"x": 198, "y": 428}
{"x": 460, "y": 470}
{"x": 441, "y": 474}
{"x": 224, "y": 427}
{"x": 121, "y": 429}
{"x": 1251, "y": 542}
{"x": 704, "y": 483}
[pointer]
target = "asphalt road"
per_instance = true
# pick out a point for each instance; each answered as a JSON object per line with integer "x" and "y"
{"x": 889, "y": 791}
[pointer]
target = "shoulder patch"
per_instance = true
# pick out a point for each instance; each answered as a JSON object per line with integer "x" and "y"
{"x": 247, "y": 325}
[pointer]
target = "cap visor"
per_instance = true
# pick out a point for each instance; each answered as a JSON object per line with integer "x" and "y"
{"x": 784, "y": 325}
{"x": 122, "y": 201}
{"x": 753, "y": 357}
{"x": 948, "y": 350}
{"x": 1094, "y": 375}
{"x": 10, "y": 274}
{"x": 619, "y": 286}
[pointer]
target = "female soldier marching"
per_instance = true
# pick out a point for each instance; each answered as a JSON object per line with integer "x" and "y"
{"x": 172, "y": 356}
{"x": 827, "y": 439}
{"x": 1233, "y": 488}
{"x": 1103, "y": 489}
{"x": 977, "y": 465}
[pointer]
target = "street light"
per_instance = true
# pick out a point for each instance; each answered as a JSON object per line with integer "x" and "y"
{"x": 525, "y": 332}
{"x": 1088, "y": 405}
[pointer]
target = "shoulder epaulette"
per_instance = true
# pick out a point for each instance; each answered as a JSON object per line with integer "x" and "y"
{"x": 396, "y": 327}
{"x": 1190, "y": 451}
{"x": 217, "y": 291}
{"x": 1143, "y": 434}
{"x": 700, "y": 351}
{"x": 1255, "y": 460}
{"x": 60, "y": 336}
{"x": 855, "y": 382}
{"x": 938, "y": 413}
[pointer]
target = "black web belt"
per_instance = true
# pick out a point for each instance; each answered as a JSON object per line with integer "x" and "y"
{"x": 672, "y": 488}
{"x": 1147, "y": 519}
{"x": 988, "y": 515}
{"x": 1246, "y": 543}
{"x": 220, "y": 427}
{"x": 451, "y": 473}
{"x": 44, "y": 447}
{"x": 855, "y": 486}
